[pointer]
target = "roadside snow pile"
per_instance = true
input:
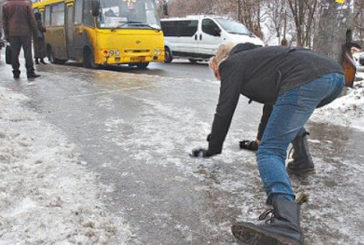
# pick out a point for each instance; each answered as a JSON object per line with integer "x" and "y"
{"x": 46, "y": 194}
{"x": 348, "y": 110}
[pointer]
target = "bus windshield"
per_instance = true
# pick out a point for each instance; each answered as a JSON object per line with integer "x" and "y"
{"x": 128, "y": 14}
{"x": 233, "y": 27}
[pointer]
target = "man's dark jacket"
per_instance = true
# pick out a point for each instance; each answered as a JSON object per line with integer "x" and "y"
{"x": 261, "y": 74}
{"x": 18, "y": 18}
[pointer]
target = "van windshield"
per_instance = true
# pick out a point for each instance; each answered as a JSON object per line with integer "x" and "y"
{"x": 233, "y": 27}
{"x": 128, "y": 14}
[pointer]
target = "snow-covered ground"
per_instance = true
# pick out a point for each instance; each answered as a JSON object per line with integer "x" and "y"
{"x": 46, "y": 194}
{"x": 348, "y": 110}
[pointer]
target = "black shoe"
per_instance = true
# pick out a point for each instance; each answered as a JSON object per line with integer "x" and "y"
{"x": 16, "y": 74}
{"x": 32, "y": 75}
{"x": 250, "y": 145}
{"x": 282, "y": 228}
{"x": 302, "y": 161}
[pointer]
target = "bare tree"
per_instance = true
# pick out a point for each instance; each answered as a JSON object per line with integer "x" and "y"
{"x": 303, "y": 12}
{"x": 335, "y": 19}
{"x": 277, "y": 17}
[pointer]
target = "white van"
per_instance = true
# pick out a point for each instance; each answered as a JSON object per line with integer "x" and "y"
{"x": 198, "y": 37}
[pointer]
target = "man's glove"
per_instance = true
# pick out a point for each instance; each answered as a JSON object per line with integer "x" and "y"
{"x": 250, "y": 145}
{"x": 200, "y": 152}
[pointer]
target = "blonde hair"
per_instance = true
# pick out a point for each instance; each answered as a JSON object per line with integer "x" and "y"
{"x": 223, "y": 52}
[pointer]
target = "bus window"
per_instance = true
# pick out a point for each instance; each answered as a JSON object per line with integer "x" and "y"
{"x": 128, "y": 14}
{"x": 57, "y": 16}
{"x": 88, "y": 19}
{"x": 47, "y": 19}
{"x": 78, "y": 12}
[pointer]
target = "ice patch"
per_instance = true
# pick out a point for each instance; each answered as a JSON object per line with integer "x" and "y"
{"x": 46, "y": 195}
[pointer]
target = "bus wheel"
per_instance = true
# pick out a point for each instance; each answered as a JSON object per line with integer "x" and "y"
{"x": 88, "y": 59}
{"x": 193, "y": 61}
{"x": 167, "y": 55}
{"x": 142, "y": 65}
{"x": 52, "y": 59}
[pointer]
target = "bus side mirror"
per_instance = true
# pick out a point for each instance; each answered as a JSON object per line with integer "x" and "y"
{"x": 95, "y": 6}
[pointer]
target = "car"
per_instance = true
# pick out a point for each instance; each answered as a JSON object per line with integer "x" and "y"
{"x": 197, "y": 37}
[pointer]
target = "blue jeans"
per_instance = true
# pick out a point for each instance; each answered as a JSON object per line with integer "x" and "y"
{"x": 291, "y": 111}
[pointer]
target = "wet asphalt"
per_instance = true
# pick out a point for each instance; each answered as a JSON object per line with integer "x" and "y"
{"x": 135, "y": 129}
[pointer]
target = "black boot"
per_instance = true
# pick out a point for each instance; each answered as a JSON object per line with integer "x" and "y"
{"x": 36, "y": 61}
{"x": 42, "y": 61}
{"x": 16, "y": 74}
{"x": 282, "y": 228}
{"x": 302, "y": 161}
{"x": 32, "y": 75}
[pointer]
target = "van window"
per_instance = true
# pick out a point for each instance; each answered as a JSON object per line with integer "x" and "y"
{"x": 210, "y": 27}
{"x": 233, "y": 26}
{"x": 169, "y": 28}
{"x": 187, "y": 28}
{"x": 78, "y": 12}
{"x": 181, "y": 28}
{"x": 57, "y": 16}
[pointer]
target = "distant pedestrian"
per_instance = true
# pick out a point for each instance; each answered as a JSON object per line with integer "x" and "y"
{"x": 39, "y": 41}
{"x": 296, "y": 81}
{"x": 19, "y": 25}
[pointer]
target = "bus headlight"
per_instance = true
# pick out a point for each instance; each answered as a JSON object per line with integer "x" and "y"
{"x": 158, "y": 52}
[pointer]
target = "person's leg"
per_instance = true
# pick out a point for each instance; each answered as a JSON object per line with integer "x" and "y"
{"x": 15, "y": 44}
{"x": 27, "y": 46}
{"x": 292, "y": 110}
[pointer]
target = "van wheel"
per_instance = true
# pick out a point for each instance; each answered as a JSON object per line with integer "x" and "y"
{"x": 52, "y": 59}
{"x": 167, "y": 55}
{"x": 142, "y": 65}
{"x": 89, "y": 59}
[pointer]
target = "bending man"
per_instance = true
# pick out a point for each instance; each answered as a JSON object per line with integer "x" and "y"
{"x": 296, "y": 81}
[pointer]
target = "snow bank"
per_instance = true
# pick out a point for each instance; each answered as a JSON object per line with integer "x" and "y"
{"x": 348, "y": 110}
{"x": 46, "y": 194}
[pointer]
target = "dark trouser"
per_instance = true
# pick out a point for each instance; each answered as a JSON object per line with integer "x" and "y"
{"x": 16, "y": 43}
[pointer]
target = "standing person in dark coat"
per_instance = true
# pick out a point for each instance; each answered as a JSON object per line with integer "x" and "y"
{"x": 39, "y": 42}
{"x": 296, "y": 81}
{"x": 19, "y": 25}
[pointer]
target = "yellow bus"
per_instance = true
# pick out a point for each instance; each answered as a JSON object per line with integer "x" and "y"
{"x": 102, "y": 32}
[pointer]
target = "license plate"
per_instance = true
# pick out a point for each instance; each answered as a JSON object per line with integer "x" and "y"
{"x": 137, "y": 59}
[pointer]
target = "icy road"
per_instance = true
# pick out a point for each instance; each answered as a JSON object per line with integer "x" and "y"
{"x": 133, "y": 130}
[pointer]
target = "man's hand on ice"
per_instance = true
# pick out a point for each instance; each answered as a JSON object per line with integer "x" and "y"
{"x": 200, "y": 152}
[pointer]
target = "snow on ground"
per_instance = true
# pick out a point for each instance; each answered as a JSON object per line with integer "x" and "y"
{"x": 46, "y": 194}
{"x": 348, "y": 110}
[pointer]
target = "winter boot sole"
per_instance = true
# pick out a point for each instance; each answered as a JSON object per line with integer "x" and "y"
{"x": 250, "y": 234}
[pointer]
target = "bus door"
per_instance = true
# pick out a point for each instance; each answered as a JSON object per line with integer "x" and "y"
{"x": 70, "y": 30}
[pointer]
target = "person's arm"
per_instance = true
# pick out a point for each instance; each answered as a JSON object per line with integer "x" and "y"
{"x": 267, "y": 110}
{"x": 31, "y": 19}
{"x": 5, "y": 24}
{"x": 228, "y": 100}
